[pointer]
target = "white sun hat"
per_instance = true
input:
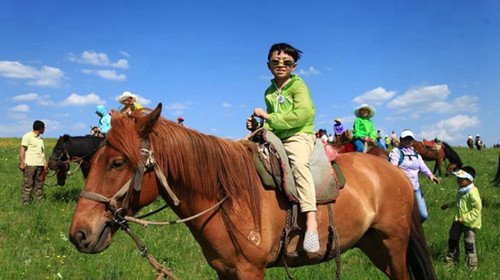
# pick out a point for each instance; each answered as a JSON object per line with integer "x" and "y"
{"x": 407, "y": 133}
{"x": 372, "y": 110}
{"x": 125, "y": 95}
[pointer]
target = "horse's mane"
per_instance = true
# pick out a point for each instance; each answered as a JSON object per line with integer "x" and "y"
{"x": 213, "y": 167}
{"x": 451, "y": 155}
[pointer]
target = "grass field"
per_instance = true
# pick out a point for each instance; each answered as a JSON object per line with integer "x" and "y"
{"x": 34, "y": 238}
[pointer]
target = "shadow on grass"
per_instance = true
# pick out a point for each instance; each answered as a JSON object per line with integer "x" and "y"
{"x": 66, "y": 195}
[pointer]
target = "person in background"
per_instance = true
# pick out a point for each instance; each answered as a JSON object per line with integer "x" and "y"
{"x": 323, "y": 135}
{"x": 129, "y": 102}
{"x": 33, "y": 163}
{"x": 405, "y": 157}
{"x": 387, "y": 142}
{"x": 467, "y": 218}
{"x": 380, "y": 140}
{"x": 338, "y": 128}
{"x": 363, "y": 129}
{"x": 180, "y": 120}
{"x": 290, "y": 115}
{"x": 104, "y": 121}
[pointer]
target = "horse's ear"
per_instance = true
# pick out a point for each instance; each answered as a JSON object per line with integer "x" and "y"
{"x": 145, "y": 125}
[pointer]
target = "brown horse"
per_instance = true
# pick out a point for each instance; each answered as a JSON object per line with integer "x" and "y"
{"x": 439, "y": 156}
{"x": 470, "y": 143}
{"x": 375, "y": 211}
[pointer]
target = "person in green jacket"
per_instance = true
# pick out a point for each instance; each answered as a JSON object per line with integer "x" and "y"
{"x": 363, "y": 128}
{"x": 290, "y": 115}
{"x": 467, "y": 218}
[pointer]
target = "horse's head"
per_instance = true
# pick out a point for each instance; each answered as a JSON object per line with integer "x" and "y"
{"x": 452, "y": 167}
{"x": 119, "y": 182}
{"x": 59, "y": 159}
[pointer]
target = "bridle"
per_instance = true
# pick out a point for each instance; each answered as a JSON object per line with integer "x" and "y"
{"x": 133, "y": 185}
{"x": 125, "y": 193}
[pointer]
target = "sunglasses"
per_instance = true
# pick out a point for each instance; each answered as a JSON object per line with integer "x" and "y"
{"x": 285, "y": 62}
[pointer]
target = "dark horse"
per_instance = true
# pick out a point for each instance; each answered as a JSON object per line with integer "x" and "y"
{"x": 439, "y": 156}
{"x": 470, "y": 143}
{"x": 79, "y": 149}
{"x": 375, "y": 211}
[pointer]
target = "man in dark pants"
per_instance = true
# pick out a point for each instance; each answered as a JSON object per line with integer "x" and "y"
{"x": 32, "y": 162}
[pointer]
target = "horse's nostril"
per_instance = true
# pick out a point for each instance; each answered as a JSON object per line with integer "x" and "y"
{"x": 80, "y": 239}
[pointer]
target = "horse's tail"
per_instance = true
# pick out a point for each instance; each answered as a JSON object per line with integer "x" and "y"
{"x": 496, "y": 181}
{"x": 417, "y": 255}
{"x": 451, "y": 155}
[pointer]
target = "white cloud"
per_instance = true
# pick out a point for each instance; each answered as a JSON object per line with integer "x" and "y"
{"x": 309, "y": 72}
{"x": 124, "y": 53}
{"x": 375, "y": 96}
{"x": 122, "y": 63}
{"x": 449, "y": 129}
{"x": 98, "y": 59}
{"x": 226, "y": 105}
{"x": 25, "y": 97}
{"x": 143, "y": 101}
{"x": 82, "y": 100}
{"x": 111, "y": 75}
{"x": 106, "y": 74}
{"x": 433, "y": 99}
{"x": 20, "y": 108}
{"x": 45, "y": 77}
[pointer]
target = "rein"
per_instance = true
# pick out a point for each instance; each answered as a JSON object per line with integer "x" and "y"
{"x": 125, "y": 193}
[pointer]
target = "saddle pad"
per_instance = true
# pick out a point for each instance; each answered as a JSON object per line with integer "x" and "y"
{"x": 328, "y": 177}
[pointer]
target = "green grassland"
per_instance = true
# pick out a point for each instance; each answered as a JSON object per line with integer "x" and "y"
{"x": 34, "y": 238}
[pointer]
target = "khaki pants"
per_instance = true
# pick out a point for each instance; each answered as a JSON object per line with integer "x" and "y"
{"x": 299, "y": 148}
{"x": 32, "y": 181}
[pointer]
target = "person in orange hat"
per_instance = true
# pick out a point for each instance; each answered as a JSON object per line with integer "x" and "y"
{"x": 180, "y": 120}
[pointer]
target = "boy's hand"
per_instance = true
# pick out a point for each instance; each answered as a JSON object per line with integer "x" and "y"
{"x": 460, "y": 220}
{"x": 251, "y": 123}
{"x": 444, "y": 206}
{"x": 259, "y": 112}
{"x": 21, "y": 166}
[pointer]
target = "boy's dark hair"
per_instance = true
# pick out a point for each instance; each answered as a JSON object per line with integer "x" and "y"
{"x": 286, "y": 48}
{"x": 470, "y": 170}
{"x": 37, "y": 125}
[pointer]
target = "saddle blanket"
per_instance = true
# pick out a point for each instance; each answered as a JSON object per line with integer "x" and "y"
{"x": 274, "y": 169}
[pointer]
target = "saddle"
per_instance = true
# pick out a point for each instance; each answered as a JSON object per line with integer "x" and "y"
{"x": 274, "y": 169}
{"x": 432, "y": 144}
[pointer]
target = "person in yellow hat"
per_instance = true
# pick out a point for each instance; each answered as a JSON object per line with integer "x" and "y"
{"x": 338, "y": 128}
{"x": 129, "y": 102}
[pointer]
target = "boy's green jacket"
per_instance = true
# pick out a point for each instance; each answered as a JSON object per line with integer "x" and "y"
{"x": 290, "y": 111}
{"x": 468, "y": 207}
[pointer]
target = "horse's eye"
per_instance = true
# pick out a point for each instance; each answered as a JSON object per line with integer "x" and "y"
{"x": 117, "y": 163}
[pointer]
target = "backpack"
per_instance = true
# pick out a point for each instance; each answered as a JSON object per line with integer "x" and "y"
{"x": 402, "y": 155}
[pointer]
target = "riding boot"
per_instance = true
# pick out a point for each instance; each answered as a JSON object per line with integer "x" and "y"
{"x": 453, "y": 252}
{"x": 471, "y": 257}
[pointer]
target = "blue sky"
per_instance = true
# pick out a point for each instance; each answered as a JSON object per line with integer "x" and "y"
{"x": 430, "y": 66}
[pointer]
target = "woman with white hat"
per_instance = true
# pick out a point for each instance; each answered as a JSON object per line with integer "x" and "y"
{"x": 129, "y": 102}
{"x": 363, "y": 129}
{"x": 405, "y": 157}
